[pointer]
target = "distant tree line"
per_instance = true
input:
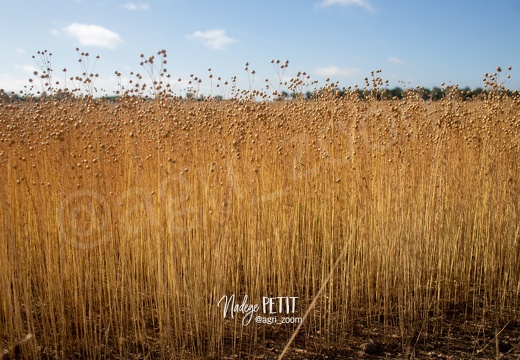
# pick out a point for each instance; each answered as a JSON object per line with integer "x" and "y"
{"x": 426, "y": 94}
{"x": 398, "y": 93}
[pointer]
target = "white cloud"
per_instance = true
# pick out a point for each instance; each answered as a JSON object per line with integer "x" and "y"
{"x": 215, "y": 39}
{"x": 55, "y": 32}
{"x": 334, "y": 71}
{"x": 395, "y": 60}
{"x": 362, "y": 3}
{"x": 95, "y": 35}
{"x": 27, "y": 68}
{"x": 10, "y": 83}
{"x": 133, "y": 6}
{"x": 18, "y": 80}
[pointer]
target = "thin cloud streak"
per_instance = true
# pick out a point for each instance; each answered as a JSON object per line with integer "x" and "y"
{"x": 135, "y": 7}
{"x": 335, "y": 71}
{"x": 216, "y": 39}
{"x": 395, "y": 60}
{"x": 361, "y": 3}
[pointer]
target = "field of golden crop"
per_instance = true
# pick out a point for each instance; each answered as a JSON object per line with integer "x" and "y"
{"x": 395, "y": 223}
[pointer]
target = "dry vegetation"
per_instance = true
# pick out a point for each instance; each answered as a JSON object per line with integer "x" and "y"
{"x": 123, "y": 224}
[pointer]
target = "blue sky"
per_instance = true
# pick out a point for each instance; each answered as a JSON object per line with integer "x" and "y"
{"x": 421, "y": 43}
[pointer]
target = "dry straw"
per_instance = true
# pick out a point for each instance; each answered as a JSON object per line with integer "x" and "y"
{"x": 123, "y": 223}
